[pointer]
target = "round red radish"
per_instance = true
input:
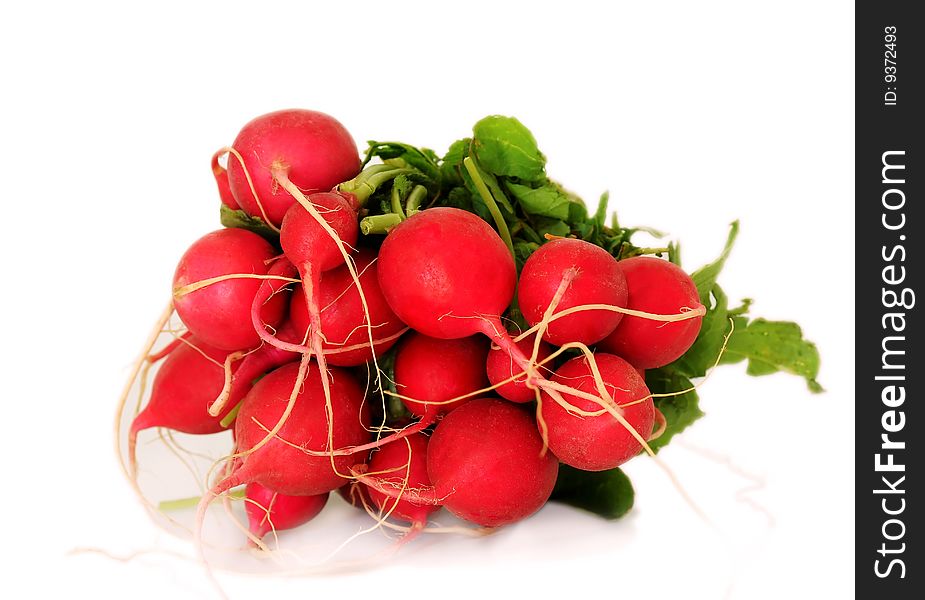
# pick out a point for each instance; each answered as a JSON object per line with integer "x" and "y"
{"x": 306, "y": 242}
{"x": 484, "y": 461}
{"x": 271, "y": 511}
{"x": 597, "y": 443}
{"x": 186, "y": 384}
{"x": 343, "y": 320}
{"x": 433, "y": 370}
{"x": 401, "y": 466}
{"x": 219, "y": 313}
{"x": 279, "y": 464}
{"x": 596, "y": 278}
{"x": 660, "y": 287}
{"x": 446, "y": 273}
{"x": 315, "y": 150}
{"x": 501, "y": 367}
{"x": 316, "y": 236}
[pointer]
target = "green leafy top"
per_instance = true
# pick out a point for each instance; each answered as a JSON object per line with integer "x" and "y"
{"x": 230, "y": 217}
{"x": 705, "y": 277}
{"x": 605, "y": 493}
{"x": 505, "y": 148}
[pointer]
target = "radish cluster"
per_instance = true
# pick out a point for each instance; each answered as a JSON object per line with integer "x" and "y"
{"x": 380, "y": 333}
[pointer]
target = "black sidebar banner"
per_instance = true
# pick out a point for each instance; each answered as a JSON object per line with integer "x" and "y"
{"x": 890, "y": 364}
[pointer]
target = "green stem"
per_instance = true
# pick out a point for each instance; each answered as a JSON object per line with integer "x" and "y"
{"x": 380, "y": 224}
{"x": 396, "y": 203}
{"x": 365, "y": 184}
{"x": 229, "y": 418}
{"x": 496, "y": 192}
{"x": 531, "y": 233}
{"x": 496, "y": 215}
{"x": 417, "y": 195}
{"x": 192, "y": 502}
{"x": 641, "y": 251}
{"x": 395, "y": 409}
{"x": 489, "y": 202}
{"x": 674, "y": 253}
{"x": 600, "y": 216}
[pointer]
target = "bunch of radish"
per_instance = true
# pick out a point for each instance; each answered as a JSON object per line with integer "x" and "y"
{"x": 421, "y": 332}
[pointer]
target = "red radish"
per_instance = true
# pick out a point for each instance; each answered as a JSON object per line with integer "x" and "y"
{"x": 306, "y": 242}
{"x": 594, "y": 277}
{"x": 433, "y": 370}
{"x": 500, "y": 367}
{"x": 185, "y": 386}
{"x": 313, "y": 250}
{"x": 193, "y": 377}
{"x": 316, "y": 238}
{"x": 314, "y": 150}
{"x": 271, "y": 511}
{"x": 485, "y": 462}
{"x": 597, "y": 443}
{"x": 280, "y": 464}
{"x": 219, "y": 313}
{"x": 447, "y": 274}
{"x": 343, "y": 319}
{"x": 655, "y": 286}
{"x": 401, "y": 466}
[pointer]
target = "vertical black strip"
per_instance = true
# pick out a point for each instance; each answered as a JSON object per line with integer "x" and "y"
{"x": 890, "y": 366}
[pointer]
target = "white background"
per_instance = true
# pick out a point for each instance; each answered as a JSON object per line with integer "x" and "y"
{"x": 692, "y": 114}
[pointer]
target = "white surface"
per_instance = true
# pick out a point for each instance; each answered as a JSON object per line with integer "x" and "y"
{"x": 691, "y": 114}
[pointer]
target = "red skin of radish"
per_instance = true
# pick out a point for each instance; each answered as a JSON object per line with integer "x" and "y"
{"x": 312, "y": 250}
{"x": 500, "y": 367}
{"x": 188, "y": 383}
{"x": 484, "y": 461}
{"x": 277, "y": 464}
{"x": 259, "y": 362}
{"x": 598, "y": 443}
{"x": 303, "y": 239}
{"x": 342, "y": 317}
{"x": 598, "y": 279}
{"x": 443, "y": 268}
{"x": 434, "y": 370}
{"x": 219, "y": 314}
{"x": 185, "y": 386}
{"x": 268, "y": 510}
{"x": 402, "y": 466}
{"x": 661, "y": 287}
{"x": 316, "y": 151}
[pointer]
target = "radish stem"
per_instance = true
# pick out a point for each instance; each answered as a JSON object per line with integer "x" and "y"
{"x": 500, "y": 223}
{"x": 380, "y": 224}
{"x": 191, "y": 502}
